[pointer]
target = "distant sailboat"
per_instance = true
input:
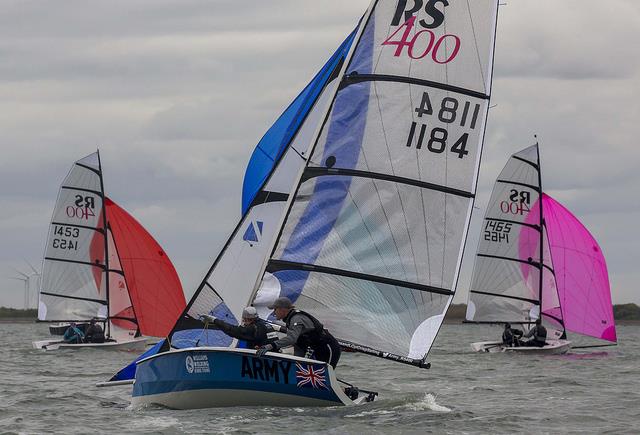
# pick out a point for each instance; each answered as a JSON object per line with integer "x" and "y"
{"x": 368, "y": 233}
{"x": 121, "y": 277}
{"x": 536, "y": 263}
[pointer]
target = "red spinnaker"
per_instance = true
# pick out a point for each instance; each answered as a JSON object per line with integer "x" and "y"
{"x": 154, "y": 286}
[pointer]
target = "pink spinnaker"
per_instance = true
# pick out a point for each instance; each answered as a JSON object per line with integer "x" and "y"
{"x": 581, "y": 276}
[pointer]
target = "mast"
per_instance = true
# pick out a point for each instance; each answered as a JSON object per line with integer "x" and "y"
{"x": 106, "y": 244}
{"x": 541, "y": 244}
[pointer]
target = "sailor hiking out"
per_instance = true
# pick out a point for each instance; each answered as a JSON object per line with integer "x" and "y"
{"x": 305, "y": 333}
{"x": 254, "y": 331}
{"x": 539, "y": 334}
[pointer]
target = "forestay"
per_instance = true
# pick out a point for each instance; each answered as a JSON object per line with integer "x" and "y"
{"x": 271, "y": 175}
{"x": 374, "y": 234}
{"x": 75, "y": 250}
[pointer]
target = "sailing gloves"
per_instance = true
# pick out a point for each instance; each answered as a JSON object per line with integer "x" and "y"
{"x": 262, "y": 350}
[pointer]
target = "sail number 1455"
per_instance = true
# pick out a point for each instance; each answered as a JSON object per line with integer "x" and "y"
{"x": 450, "y": 112}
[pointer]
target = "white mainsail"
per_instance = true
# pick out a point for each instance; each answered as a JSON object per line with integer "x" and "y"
{"x": 374, "y": 234}
{"x": 509, "y": 279}
{"x": 74, "y": 259}
{"x": 228, "y": 286}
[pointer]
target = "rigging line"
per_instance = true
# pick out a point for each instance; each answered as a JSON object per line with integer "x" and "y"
{"x": 475, "y": 41}
{"x": 393, "y": 172}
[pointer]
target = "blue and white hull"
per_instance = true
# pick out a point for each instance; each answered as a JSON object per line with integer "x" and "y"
{"x": 206, "y": 377}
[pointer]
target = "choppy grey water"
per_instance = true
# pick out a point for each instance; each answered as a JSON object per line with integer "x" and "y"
{"x": 464, "y": 392}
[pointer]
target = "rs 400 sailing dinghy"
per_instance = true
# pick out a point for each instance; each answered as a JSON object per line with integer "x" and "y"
{"x": 101, "y": 264}
{"x": 358, "y": 213}
{"x": 537, "y": 264}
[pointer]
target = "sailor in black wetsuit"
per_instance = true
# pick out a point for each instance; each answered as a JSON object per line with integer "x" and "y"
{"x": 304, "y": 332}
{"x": 94, "y": 333}
{"x": 539, "y": 334}
{"x": 254, "y": 331}
{"x": 510, "y": 336}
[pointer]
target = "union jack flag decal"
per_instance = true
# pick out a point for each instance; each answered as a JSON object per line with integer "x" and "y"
{"x": 311, "y": 376}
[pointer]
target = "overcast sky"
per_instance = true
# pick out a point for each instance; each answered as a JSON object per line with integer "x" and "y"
{"x": 176, "y": 93}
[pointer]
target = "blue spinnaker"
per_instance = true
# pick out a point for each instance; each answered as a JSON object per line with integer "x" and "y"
{"x": 263, "y": 161}
{"x": 279, "y": 136}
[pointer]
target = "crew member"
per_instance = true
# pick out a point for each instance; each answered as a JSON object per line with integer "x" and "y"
{"x": 539, "y": 334}
{"x": 94, "y": 333}
{"x": 304, "y": 333}
{"x": 511, "y": 337}
{"x": 73, "y": 334}
{"x": 254, "y": 331}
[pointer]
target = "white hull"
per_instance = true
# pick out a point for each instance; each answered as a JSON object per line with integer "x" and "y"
{"x": 136, "y": 344}
{"x": 553, "y": 347}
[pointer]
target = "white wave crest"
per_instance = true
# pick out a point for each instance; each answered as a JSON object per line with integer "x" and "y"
{"x": 427, "y": 403}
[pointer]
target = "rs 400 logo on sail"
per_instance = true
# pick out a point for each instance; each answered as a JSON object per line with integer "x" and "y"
{"x": 415, "y": 38}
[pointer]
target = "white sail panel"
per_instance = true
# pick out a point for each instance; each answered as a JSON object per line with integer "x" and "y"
{"x": 506, "y": 286}
{"x": 443, "y": 42}
{"x": 75, "y": 251}
{"x": 376, "y": 229}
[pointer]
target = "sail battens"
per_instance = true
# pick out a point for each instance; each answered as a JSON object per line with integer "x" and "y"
{"x": 313, "y": 171}
{"x": 82, "y": 189}
{"x": 86, "y": 263}
{"x": 77, "y": 298}
{"x": 529, "y": 162}
{"x": 94, "y": 170}
{"x": 264, "y": 197}
{"x": 502, "y": 295}
{"x": 280, "y": 265}
{"x": 86, "y": 227}
{"x": 530, "y": 186}
{"x": 354, "y": 78}
{"x": 510, "y": 221}
{"x": 535, "y": 264}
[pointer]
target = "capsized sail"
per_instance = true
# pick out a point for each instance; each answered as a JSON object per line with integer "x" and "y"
{"x": 581, "y": 274}
{"x": 152, "y": 283}
{"x": 376, "y": 226}
{"x": 75, "y": 250}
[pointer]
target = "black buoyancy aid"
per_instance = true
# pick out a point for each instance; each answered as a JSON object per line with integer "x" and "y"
{"x": 540, "y": 334}
{"x": 265, "y": 333}
{"x": 315, "y": 337}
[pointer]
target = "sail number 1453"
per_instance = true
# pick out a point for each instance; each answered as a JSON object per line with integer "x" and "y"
{"x": 437, "y": 139}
